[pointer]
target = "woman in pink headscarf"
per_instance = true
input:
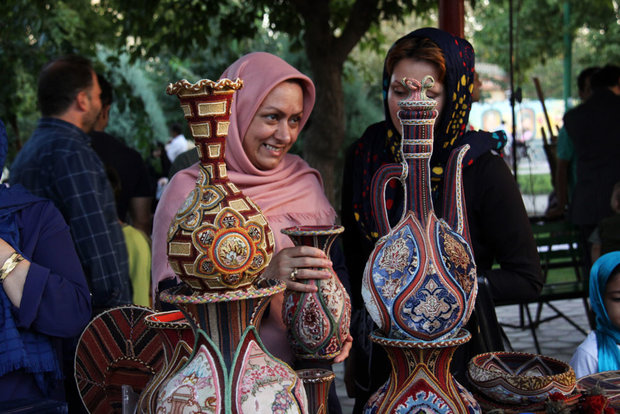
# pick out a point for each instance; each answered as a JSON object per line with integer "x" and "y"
{"x": 266, "y": 117}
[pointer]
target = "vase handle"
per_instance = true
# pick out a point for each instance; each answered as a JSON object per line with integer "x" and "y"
{"x": 454, "y": 209}
{"x": 380, "y": 180}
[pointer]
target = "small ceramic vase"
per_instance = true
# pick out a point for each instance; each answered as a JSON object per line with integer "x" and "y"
{"x": 316, "y": 382}
{"x": 317, "y": 322}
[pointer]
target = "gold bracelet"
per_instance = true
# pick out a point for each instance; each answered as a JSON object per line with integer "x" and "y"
{"x": 9, "y": 265}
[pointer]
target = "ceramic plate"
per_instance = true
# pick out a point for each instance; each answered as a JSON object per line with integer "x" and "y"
{"x": 117, "y": 348}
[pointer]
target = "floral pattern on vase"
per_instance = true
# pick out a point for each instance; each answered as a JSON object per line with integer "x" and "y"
{"x": 261, "y": 377}
{"x": 318, "y": 322}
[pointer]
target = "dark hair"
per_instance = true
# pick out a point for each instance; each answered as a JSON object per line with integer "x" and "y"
{"x": 60, "y": 81}
{"x": 176, "y": 128}
{"x": 584, "y": 77}
{"x": 419, "y": 48}
{"x": 107, "y": 95}
{"x": 606, "y": 77}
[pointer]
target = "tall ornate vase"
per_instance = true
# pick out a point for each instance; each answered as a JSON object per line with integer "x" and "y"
{"x": 318, "y": 322}
{"x": 420, "y": 281}
{"x": 218, "y": 244}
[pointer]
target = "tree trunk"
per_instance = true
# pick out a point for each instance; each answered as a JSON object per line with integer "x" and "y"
{"x": 327, "y": 53}
{"x": 325, "y": 132}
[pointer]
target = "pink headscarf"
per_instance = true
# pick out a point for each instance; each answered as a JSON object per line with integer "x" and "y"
{"x": 290, "y": 194}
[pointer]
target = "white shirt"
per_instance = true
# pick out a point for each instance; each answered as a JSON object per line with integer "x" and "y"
{"x": 176, "y": 146}
{"x": 585, "y": 358}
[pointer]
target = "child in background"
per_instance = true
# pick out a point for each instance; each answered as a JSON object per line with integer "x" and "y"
{"x": 600, "y": 350}
{"x": 606, "y": 237}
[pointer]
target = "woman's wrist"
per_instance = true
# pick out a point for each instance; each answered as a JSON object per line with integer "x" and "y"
{"x": 9, "y": 265}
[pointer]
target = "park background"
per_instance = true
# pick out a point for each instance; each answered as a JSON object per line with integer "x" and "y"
{"x": 143, "y": 45}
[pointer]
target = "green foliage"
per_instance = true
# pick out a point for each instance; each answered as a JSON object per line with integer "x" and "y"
{"x": 31, "y": 34}
{"x": 538, "y": 36}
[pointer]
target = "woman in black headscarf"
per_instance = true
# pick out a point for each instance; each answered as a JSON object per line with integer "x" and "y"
{"x": 498, "y": 224}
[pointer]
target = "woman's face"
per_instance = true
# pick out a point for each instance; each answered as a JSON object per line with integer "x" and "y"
{"x": 275, "y": 126}
{"x": 611, "y": 299}
{"x": 416, "y": 69}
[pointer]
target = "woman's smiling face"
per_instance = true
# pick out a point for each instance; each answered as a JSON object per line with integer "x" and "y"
{"x": 416, "y": 69}
{"x": 275, "y": 126}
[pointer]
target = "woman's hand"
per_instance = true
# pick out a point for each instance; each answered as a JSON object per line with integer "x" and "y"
{"x": 344, "y": 352}
{"x": 294, "y": 264}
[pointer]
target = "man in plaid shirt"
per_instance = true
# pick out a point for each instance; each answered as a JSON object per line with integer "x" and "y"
{"x": 58, "y": 163}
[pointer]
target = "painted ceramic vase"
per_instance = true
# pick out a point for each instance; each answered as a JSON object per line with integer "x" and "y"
{"x": 230, "y": 371}
{"x": 317, "y": 322}
{"x": 420, "y": 381}
{"x": 420, "y": 280}
{"x": 218, "y": 244}
{"x": 176, "y": 332}
{"x": 316, "y": 382}
{"x": 218, "y": 240}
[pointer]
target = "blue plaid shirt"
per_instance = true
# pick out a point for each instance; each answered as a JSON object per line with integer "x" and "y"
{"x": 58, "y": 163}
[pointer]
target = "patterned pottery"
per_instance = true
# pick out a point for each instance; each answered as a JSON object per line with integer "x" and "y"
{"x": 420, "y": 280}
{"x": 317, "y": 322}
{"x": 116, "y": 348}
{"x": 218, "y": 240}
{"x": 218, "y": 244}
{"x": 316, "y": 382}
{"x": 420, "y": 381}
{"x": 175, "y": 331}
{"x": 520, "y": 378}
{"x": 230, "y": 371}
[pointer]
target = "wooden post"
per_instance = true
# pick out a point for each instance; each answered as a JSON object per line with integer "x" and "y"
{"x": 452, "y": 17}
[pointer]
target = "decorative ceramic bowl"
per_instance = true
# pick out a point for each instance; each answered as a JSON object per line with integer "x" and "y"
{"x": 520, "y": 378}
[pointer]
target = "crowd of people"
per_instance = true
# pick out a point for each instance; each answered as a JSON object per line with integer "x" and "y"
{"x": 78, "y": 217}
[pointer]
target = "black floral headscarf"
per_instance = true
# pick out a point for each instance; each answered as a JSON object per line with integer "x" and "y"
{"x": 381, "y": 142}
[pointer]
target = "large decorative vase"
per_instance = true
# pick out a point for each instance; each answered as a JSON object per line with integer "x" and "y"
{"x": 317, "y": 382}
{"x": 218, "y": 244}
{"x": 420, "y": 281}
{"x": 230, "y": 370}
{"x": 318, "y": 322}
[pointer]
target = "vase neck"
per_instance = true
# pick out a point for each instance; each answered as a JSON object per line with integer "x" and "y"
{"x": 208, "y": 116}
{"x": 323, "y": 241}
{"x": 417, "y": 116}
